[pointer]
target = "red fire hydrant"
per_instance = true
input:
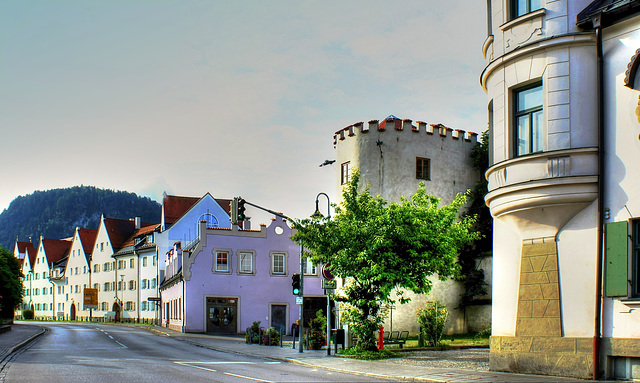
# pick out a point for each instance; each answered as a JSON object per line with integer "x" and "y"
{"x": 381, "y": 338}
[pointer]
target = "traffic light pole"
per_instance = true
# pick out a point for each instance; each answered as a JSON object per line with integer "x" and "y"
{"x": 301, "y": 326}
{"x": 302, "y": 263}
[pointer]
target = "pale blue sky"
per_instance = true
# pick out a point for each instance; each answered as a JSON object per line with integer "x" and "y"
{"x": 227, "y": 97}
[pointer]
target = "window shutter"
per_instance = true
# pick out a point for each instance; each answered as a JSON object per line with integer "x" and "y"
{"x": 616, "y": 259}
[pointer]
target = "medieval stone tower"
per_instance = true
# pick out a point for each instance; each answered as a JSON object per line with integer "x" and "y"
{"x": 394, "y": 156}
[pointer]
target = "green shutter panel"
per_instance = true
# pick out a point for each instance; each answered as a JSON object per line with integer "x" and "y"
{"x": 616, "y": 259}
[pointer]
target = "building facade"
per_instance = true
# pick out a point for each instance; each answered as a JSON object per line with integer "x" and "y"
{"x": 231, "y": 278}
{"x": 393, "y": 157}
{"x": 562, "y": 126}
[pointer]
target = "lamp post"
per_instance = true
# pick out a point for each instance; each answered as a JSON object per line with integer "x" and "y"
{"x": 319, "y": 215}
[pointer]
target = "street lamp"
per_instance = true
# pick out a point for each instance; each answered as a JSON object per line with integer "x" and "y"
{"x": 317, "y": 214}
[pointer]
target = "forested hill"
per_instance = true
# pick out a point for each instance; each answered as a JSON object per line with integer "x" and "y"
{"x": 56, "y": 213}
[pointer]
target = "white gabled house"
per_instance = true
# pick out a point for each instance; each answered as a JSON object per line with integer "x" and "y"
{"x": 49, "y": 252}
{"x": 77, "y": 275}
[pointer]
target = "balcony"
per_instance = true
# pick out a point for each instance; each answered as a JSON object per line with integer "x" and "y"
{"x": 541, "y": 192}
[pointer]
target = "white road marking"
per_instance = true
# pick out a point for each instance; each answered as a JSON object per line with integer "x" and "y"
{"x": 195, "y": 365}
{"x": 202, "y": 368}
{"x": 248, "y": 378}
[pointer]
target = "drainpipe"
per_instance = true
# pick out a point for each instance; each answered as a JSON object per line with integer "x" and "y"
{"x": 601, "y": 178}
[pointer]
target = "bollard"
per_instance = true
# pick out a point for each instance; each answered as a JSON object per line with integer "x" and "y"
{"x": 381, "y": 338}
{"x": 294, "y": 338}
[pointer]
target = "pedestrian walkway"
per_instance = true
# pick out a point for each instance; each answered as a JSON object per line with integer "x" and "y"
{"x": 22, "y": 333}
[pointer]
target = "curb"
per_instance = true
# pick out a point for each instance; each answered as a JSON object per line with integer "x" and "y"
{"x": 25, "y": 342}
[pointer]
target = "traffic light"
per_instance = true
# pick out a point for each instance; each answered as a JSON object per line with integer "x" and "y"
{"x": 234, "y": 210}
{"x": 241, "y": 214}
{"x": 295, "y": 283}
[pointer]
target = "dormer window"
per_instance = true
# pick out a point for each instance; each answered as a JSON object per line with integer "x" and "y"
{"x": 522, "y": 7}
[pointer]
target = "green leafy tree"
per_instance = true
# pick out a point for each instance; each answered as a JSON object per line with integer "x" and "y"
{"x": 10, "y": 284}
{"x": 376, "y": 248}
{"x": 471, "y": 275}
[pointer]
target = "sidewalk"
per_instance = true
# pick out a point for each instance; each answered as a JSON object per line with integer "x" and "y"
{"x": 391, "y": 369}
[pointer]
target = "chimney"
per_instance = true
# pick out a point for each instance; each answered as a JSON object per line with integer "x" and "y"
{"x": 137, "y": 222}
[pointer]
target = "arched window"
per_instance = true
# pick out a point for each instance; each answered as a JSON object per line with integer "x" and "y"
{"x": 211, "y": 220}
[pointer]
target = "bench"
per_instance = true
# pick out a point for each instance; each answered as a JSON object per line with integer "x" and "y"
{"x": 396, "y": 337}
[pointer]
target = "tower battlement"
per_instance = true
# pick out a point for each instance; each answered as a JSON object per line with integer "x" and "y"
{"x": 397, "y": 124}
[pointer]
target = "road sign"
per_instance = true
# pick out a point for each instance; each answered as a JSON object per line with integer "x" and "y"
{"x": 153, "y": 299}
{"x": 90, "y": 298}
{"x": 326, "y": 272}
{"x": 299, "y": 300}
{"x": 329, "y": 284}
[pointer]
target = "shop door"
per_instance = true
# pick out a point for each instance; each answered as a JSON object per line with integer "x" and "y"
{"x": 279, "y": 317}
{"x": 222, "y": 315}
{"x": 72, "y": 312}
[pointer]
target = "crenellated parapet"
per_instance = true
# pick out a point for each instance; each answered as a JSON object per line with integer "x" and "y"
{"x": 400, "y": 125}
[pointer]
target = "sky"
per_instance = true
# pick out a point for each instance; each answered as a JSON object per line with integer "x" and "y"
{"x": 234, "y": 98}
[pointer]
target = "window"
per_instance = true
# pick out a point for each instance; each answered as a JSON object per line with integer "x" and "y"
{"x": 105, "y": 267}
{"x": 96, "y": 286}
{"x": 129, "y": 306}
{"x": 144, "y": 261}
{"x": 222, "y": 261}
{"x": 155, "y": 260}
{"x": 143, "y": 305}
{"x": 144, "y": 284}
{"x": 522, "y": 7}
{"x": 153, "y": 283}
{"x": 278, "y": 263}
{"x": 309, "y": 268}
{"x": 106, "y": 286}
{"x": 132, "y": 285}
{"x": 132, "y": 263}
{"x": 96, "y": 268}
{"x": 76, "y": 271}
{"x": 423, "y": 168}
{"x": 101, "y": 246}
{"x": 84, "y": 269}
{"x": 245, "y": 260}
{"x": 210, "y": 219}
{"x": 345, "y": 173}
{"x": 528, "y": 120}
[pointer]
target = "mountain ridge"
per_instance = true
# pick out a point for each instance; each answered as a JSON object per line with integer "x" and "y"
{"x": 55, "y": 213}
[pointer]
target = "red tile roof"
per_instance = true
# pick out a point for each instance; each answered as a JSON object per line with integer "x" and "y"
{"x": 176, "y": 206}
{"x": 55, "y": 249}
{"x": 88, "y": 239}
{"x": 31, "y": 253}
{"x": 120, "y": 230}
{"x": 22, "y": 246}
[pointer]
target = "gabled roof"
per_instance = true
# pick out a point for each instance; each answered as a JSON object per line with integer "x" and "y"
{"x": 119, "y": 230}
{"x": 612, "y": 11}
{"x": 22, "y": 246}
{"x": 174, "y": 207}
{"x": 55, "y": 249}
{"x": 87, "y": 239}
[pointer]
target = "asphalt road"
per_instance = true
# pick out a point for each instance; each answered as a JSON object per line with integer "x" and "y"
{"x": 99, "y": 353}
